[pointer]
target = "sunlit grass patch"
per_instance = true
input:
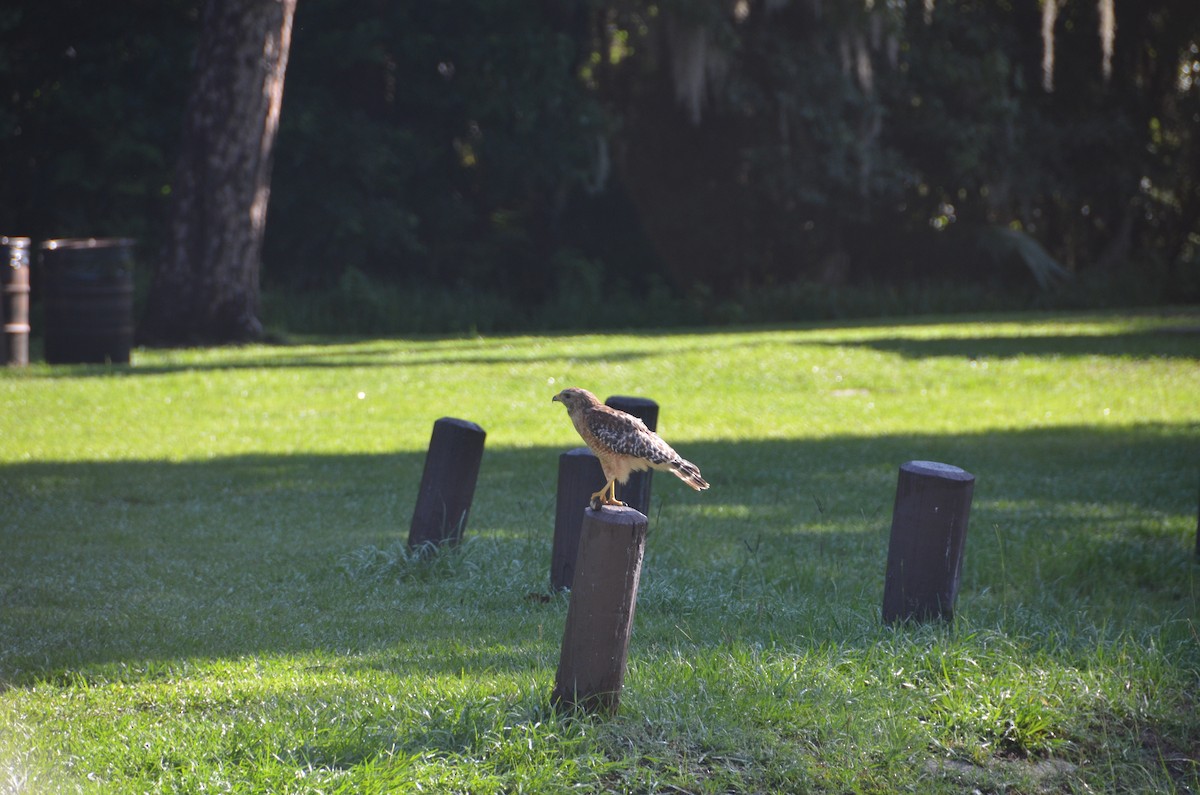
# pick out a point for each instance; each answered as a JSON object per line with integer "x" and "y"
{"x": 205, "y": 583}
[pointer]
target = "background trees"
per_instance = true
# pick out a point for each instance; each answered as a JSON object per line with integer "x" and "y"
{"x": 845, "y": 141}
{"x": 702, "y": 150}
{"x": 91, "y": 105}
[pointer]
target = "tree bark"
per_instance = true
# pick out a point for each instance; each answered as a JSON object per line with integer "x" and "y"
{"x": 206, "y": 286}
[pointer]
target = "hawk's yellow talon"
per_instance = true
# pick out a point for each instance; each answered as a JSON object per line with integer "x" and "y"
{"x": 597, "y": 499}
{"x": 606, "y": 496}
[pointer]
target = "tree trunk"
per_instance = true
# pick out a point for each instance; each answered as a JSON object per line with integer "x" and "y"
{"x": 206, "y": 287}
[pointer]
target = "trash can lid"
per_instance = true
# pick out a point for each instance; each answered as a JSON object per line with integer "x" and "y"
{"x": 87, "y": 242}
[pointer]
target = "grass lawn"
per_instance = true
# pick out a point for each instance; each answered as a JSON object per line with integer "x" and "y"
{"x": 203, "y": 584}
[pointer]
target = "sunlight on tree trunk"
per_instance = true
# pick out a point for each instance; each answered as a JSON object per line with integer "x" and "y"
{"x": 1108, "y": 33}
{"x": 1049, "y": 17}
{"x": 206, "y": 287}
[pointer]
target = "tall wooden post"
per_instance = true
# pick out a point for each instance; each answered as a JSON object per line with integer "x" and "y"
{"x": 579, "y": 476}
{"x": 636, "y": 493}
{"x": 447, "y": 483}
{"x": 595, "y": 647}
{"x": 929, "y": 532}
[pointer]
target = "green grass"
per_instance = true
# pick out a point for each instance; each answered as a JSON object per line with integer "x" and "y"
{"x": 203, "y": 582}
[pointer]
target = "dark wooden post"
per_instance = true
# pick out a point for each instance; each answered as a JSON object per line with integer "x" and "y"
{"x": 579, "y": 476}
{"x": 595, "y": 647}
{"x": 929, "y": 533}
{"x": 447, "y": 483}
{"x": 636, "y": 493}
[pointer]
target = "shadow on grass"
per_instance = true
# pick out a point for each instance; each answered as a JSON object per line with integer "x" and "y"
{"x": 129, "y": 563}
{"x": 1180, "y": 339}
{"x": 1172, "y": 343}
{"x": 331, "y": 355}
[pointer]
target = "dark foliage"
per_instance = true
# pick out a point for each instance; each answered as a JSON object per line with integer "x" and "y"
{"x": 429, "y": 142}
{"x": 91, "y": 108}
{"x": 534, "y": 156}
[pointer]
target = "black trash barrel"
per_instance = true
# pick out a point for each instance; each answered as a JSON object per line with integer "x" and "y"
{"x": 14, "y": 300}
{"x": 87, "y": 295}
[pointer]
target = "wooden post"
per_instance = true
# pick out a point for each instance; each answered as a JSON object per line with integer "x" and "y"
{"x": 929, "y": 532}
{"x": 595, "y": 647}
{"x": 636, "y": 493}
{"x": 579, "y": 476}
{"x": 447, "y": 483}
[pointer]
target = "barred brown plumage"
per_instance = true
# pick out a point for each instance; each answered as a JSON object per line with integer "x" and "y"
{"x": 623, "y": 444}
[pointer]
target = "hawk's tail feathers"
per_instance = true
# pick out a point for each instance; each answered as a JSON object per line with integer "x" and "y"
{"x": 689, "y": 473}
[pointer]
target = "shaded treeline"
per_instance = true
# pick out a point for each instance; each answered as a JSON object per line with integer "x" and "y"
{"x": 690, "y": 149}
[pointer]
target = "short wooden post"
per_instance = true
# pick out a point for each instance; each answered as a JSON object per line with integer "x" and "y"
{"x": 447, "y": 483}
{"x": 929, "y": 532}
{"x": 595, "y": 647}
{"x": 579, "y": 476}
{"x": 636, "y": 493}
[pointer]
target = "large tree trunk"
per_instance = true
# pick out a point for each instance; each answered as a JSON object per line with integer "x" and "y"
{"x": 206, "y": 287}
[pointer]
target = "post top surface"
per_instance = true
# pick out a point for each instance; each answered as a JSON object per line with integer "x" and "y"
{"x": 467, "y": 424}
{"x": 616, "y": 514}
{"x": 936, "y": 469}
{"x": 629, "y": 400}
{"x": 580, "y": 451}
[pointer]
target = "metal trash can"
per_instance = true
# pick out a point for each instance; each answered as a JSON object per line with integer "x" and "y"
{"x": 14, "y": 300}
{"x": 87, "y": 296}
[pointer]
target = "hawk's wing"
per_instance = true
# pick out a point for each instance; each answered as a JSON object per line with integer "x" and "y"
{"x": 625, "y": 434}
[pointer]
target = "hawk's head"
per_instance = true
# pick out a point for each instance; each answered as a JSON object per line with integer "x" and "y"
{"x": 575, "y": 399}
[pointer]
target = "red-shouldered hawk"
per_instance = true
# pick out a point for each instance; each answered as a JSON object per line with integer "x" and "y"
{"x": 623, "y": 444}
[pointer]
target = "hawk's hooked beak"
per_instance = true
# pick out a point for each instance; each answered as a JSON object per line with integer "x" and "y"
{"x": 557, "y": 398}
